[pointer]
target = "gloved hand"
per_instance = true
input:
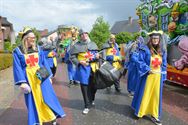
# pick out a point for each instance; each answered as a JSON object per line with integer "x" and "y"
{"x": 52, "y": 54}
{"x": 117, "y": 58}
{"x": 25, "y": 88}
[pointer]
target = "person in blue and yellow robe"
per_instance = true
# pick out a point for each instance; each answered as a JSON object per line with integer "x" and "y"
{"x": 111, "y": 54}
{"x": 152, "y": 71}
{"x": 71, "y": 68}
{"x": 132, "y": 79}
{"x": 84, "y": 55}
{"x": 49, "y": 51}
{"x": 40, "y": 98}
{"x": 133, "y": 76}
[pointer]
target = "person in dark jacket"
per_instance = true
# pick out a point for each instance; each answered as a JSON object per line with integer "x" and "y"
{"x": 84, "y": 54}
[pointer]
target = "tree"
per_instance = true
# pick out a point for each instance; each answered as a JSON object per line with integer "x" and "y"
{"x": 7, "y": 46}
{"x": 136, "y": 35}
{"x": 37, "y": 34}
{"x": 125, "y": 37}
{"x": 18, "y": 40}
{"x": 100, "y": 32}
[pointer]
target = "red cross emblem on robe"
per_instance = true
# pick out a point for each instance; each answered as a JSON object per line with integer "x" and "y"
{"x": 114, "y": 51}
{"x": 89, "y": 55}
{"x": 156, "y": 63}
{"x": 31, "y": 60}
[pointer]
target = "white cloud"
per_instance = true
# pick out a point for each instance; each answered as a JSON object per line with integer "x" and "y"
{"x": 49, "y": 14}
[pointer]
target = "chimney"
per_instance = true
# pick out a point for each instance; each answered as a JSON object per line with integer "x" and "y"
{"x": 130, "y": 20}
{"x": 46, "y": 30}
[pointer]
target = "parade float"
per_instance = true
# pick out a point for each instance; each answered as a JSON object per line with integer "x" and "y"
{"x": 171, "y": 16}
{"x": 66, "y": 34}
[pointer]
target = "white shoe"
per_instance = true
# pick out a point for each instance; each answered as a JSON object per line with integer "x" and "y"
{"x": 93, "y": 103}
{"x": 85, "y": 111}
{"x": 131, "y": 94}
{"x": 156, "y": 120}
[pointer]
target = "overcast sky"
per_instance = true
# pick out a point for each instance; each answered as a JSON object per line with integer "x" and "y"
{"x": 51, "y": 13}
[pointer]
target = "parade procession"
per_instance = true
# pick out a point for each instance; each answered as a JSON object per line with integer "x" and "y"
{"x": 94, "y": 65}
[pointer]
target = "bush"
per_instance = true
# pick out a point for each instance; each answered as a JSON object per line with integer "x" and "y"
{"x": 5, "y": 60}
{"x": 14, "y": 46}
{"x": 5, "y": 51}
{"x": 7, "y": 46}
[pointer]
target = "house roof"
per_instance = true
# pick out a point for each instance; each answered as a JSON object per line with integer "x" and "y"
{"x": 50, "y": 33}
{"x": 64, "y": 27}
{"x": 125, "y": 26}
{"x": 5, "y": 22}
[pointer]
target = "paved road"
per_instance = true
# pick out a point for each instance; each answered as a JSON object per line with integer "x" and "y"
{"x": 111, "y": 108}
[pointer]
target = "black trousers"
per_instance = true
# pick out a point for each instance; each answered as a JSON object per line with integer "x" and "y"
{"x": 124, "y": 72}
{"x": 53, "y": 69}
{"x": 116, "y": 84}
{"x": 88, "y": 92}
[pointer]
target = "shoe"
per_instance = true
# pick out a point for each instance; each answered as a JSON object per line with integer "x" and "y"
{"x": 55, "y": 123}
{"x": 85, "y": 111}
{"x": 156, "y": 120}
{"x": 76, "y": 83}
{"x": 70, "y": 83}
{"x": 131, "y": 94}
{"x": 93, "y": 103}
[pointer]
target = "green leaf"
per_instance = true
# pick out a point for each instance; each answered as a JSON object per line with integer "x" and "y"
{"x": 100, "y": 32}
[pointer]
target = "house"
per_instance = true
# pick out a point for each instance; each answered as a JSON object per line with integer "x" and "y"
{"x": 6, "y": 32}
{"x": 65, "y": 30}
{"x": 130, "y": 25}
{"x": 43, "y": 32}
{"x": 51, "y": 37}
{"x": 1, "y": 35}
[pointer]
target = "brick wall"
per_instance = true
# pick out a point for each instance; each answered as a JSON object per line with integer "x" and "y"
{"x": 1, "y": 35}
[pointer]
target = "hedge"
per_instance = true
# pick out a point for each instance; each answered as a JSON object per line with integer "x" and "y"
{"x": 5, "y": 60}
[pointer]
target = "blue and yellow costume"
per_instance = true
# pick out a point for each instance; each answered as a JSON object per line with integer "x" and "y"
{"x": 51, "y": 59}
{"x": 71, "y": 68}
{"x": 84, "y": 52}
{"x": 111, "y": 54}
{"x": 49, "y": 51}
{"x": 148, "y": 95}
{"x": 50, "y": 55}
{"x": 133, "y": 77}
{"x": 42, "y": 103}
